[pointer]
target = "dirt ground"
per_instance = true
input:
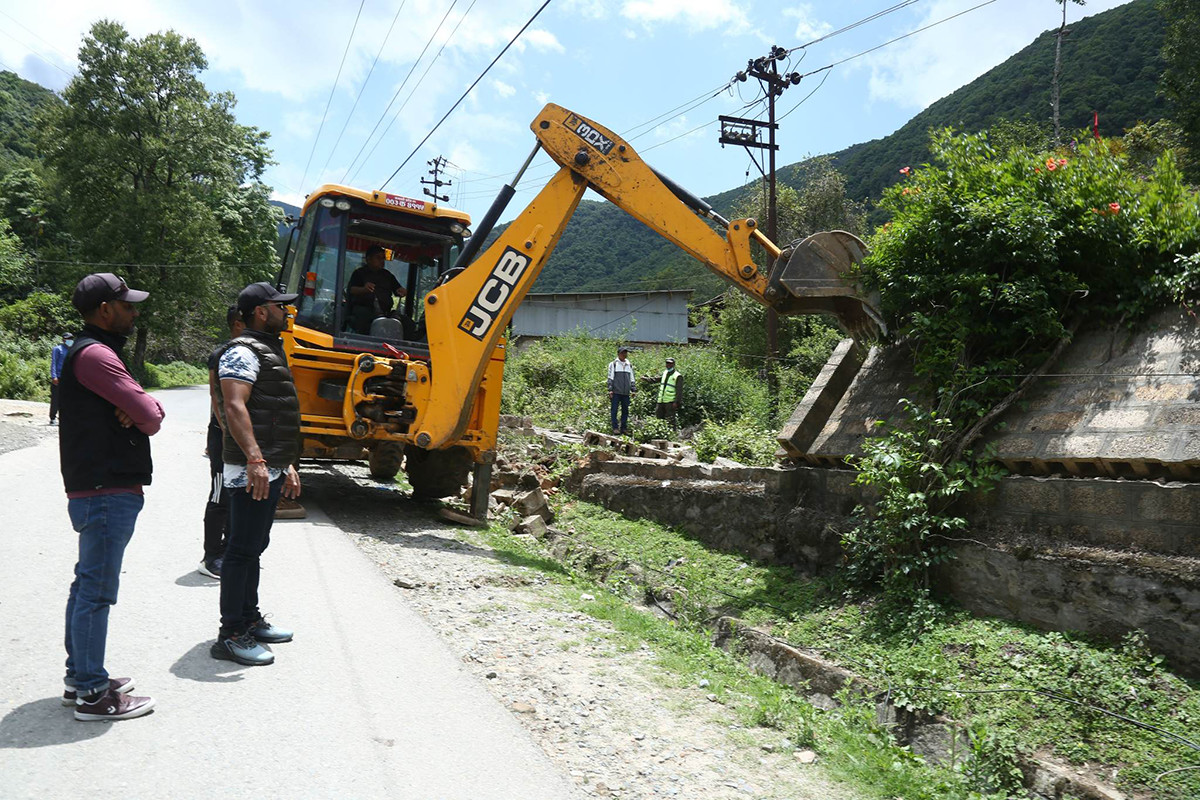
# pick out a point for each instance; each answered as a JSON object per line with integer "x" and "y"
{"x": 609, "y": 717}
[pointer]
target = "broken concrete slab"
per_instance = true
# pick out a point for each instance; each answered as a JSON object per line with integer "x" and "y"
{"x": 533, "y": 502}
{"x": 533, "y": 525}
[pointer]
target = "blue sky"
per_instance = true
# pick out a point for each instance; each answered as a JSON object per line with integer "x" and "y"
{"x": 624, "y": 63}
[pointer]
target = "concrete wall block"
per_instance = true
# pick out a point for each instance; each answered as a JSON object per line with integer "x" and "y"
{"x": 1031, "y": 494}
{"x": 1176, "y": 502}
{"x": 1110, "y": 500}
{"x": 1160, "y": 393}
{"x": 1138, "y": 447}
{"x": 1071, "y": 446}
{"x": 1119, "y": 419}
{"x": 1055, "y": 422}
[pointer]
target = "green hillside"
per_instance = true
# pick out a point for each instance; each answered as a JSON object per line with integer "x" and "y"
{"x": 1111, "y": 64}
{"x": 20, "y": 102}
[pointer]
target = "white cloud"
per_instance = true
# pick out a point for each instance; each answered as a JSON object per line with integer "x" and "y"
{"x": 808, "y": 27}
{"x": 503, "y": 89}
{"x": 291, "y": 198}
{"x": 695, "y": 15}
{"x": 540, "y": 39}
{"x": 541, "y": 97}
{"x": 926, "y": 67}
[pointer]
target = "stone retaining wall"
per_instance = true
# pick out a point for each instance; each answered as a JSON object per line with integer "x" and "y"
{"x": 1096, "y": 555}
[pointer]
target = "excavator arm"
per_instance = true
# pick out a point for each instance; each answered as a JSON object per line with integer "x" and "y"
{"x": 467, "y": 315}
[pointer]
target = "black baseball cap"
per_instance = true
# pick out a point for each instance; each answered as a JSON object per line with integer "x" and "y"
{"x": 103, "y": 287}
{"x": 622, "y": 349}
{"x": 256, "y": 294}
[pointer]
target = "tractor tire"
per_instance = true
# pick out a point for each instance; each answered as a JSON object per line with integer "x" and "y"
{"x": 437, "y": 473}
{"x": 384, "y": 461}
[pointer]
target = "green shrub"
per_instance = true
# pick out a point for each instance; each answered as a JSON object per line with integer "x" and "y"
{"x": 743, "y": 440}
{"x": 39, "y": 314}
{"x": 25, "y": 366}
{"x": 176, "y": 373}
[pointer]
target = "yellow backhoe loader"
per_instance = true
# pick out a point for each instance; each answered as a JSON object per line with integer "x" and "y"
{"x": 413, "y": 374}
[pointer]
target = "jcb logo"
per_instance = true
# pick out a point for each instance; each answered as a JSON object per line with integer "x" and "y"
{"x": 494, "y": 294}
{"x": 590, "y": 135}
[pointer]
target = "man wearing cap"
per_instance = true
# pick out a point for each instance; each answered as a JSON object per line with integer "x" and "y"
{"x": 104, "y": 451}
{"x": 260, "y": 416}
{"x": 620, "y": 388}
{"x": 670, "y": 390}
{"x": 57, "y": 356}
{"x": 371, "y": 289}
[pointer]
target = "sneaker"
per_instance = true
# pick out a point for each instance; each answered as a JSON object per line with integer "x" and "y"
{"x": 118, "y": 685}
{"x": 264, "y": 631}
{"x": 290, "y": 509}
{"x": 210, "y": 567}
{"x": 243, "y": 649}
{"x": 111, "y": 705}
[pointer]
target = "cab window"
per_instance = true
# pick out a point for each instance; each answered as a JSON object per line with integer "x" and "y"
{"x": 318, "y": 285}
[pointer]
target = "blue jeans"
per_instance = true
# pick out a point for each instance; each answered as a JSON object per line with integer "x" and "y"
{"x": 620, "y": 401}
{"x": 105, "y": 526}
{"x": 249, "y": 534}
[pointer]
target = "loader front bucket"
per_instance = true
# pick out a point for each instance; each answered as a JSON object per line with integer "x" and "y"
{"x": 816, "y": 277}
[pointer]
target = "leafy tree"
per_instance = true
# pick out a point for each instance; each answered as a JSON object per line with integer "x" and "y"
{"x": 1181, "y": 79}
{"x": 157, "y": 175}
{"x": 16, "y": 272}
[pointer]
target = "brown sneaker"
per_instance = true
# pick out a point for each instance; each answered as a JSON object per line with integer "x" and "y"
{"x": 118, "y": 685}
{"x": 109, "y": 705}
{"x": 290, "y": 509}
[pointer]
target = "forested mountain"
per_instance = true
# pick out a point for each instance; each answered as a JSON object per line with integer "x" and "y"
{"x": 20, "y": 102}
{"x": 1111, "y": 64}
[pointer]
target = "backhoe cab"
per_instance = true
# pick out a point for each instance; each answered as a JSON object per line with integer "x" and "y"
{"x": 423, "y": 379}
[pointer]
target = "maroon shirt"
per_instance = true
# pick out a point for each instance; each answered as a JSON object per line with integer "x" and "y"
{"x": 99, "y": 370}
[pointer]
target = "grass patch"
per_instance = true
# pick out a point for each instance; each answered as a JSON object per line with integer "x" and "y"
{"x": 960, "y": 652}
{"x": 176, "y": 373}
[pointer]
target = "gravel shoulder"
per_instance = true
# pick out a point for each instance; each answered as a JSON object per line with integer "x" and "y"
{"x": 23, "y": 423}
{"x": 608, "y": 715}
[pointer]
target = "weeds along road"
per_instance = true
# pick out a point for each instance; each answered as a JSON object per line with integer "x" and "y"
{"x": 472, "y": 678}
{"x": 366, "y": 702}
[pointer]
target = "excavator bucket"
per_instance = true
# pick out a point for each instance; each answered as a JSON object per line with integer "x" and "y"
{"x": 816, "y": 277}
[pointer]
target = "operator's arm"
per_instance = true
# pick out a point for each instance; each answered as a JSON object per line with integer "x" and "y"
{"x": 358, "y": 284}
{"x": 99, "y": 369}
{"x": 397, "y": 289}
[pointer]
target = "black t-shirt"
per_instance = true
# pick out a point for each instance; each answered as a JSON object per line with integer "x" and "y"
{"x": 385, "y": 287}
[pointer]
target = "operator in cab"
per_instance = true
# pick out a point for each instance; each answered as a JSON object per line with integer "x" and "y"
{"x": 371, "y": 290}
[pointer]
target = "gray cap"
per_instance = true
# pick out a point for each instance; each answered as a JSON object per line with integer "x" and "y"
{"x": 622, "y": 349}
{"x": 103, "y": 287}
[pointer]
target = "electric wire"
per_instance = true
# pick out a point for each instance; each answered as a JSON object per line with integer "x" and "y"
{"x": 853, "y": 25}
{"x": 420, "y": 80}
{"x": 362, "y": 87}
{"x": 64, "y": 56}
{"x": 898, "y": 38}
{"x": 810, "y": 94}
{"x": 399, "y": 89}
{"x": 332, "y": 89}
{"x": 36, "y": 53}
{"x": 467, "y": 92}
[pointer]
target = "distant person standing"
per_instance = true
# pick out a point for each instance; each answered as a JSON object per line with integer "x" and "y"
{"x": 57, "y": 356}
{"x": 104, "y": 449}
{"x": 620, "y": 387}
{"x": 670, "y": 390}
{"x": 260, "y": 416}
{"x": 216, "y": 511}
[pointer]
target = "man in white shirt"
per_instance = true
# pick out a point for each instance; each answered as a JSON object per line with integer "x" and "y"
{"x": 620, "y": 387}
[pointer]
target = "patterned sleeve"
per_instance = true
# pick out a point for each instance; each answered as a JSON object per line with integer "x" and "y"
{"x": 239, "y": 363}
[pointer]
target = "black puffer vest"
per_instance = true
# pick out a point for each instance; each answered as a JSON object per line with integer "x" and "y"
{"x": 95, "y": 451}
{"x": 273, "y": 405}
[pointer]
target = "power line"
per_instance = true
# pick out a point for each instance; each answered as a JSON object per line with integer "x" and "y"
{"x": 36, "y": 53}
{"x": 34, "y": 35}
{"x": 898, "y": 38}
{"x": 824, "y": 78}
{"x": 420, "y": 80}
{"x": 332, "y": 89}
{"x": 399, "y": 89}
{"x": 854, "y": 25}
{"x": 468, "y": 91}
{"x": 363, "y": 87}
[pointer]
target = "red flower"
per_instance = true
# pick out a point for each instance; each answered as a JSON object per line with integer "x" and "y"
{"x": 1051, "y": 164}
{"x": 1062, "y": 162}
{"x": 1038, "y": 170}
{"x": 1114, "y": 208}
{"x": 905, "y": 170}
{"x": 906, "y": 190}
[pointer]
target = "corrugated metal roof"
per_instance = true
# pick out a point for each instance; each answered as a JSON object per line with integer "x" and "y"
{"x": 656, "y": 316}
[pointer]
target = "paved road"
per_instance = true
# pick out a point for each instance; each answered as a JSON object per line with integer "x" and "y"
{"x": 367, "y": 701}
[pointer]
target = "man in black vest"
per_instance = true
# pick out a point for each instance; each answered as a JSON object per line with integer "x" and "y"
{"x": 260, "y": 415}
{"x": 104, "y": 449}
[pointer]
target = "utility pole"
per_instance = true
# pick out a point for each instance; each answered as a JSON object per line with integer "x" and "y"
{"x": 1058, "y": 40}
{"x": 435, "y": 168}
{"x": 766, "y": 71}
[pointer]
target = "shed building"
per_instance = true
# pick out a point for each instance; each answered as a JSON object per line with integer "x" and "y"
{"x": 647, "y": 317}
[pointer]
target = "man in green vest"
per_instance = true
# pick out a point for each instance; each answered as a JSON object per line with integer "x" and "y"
{"x": 670, "y": 390}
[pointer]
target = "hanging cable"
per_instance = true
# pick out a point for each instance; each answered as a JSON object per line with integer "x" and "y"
{"x": 399, "y": 89}
{"x": 854, "y": 25}
{"x": 361, "y": 88}
{"x": 332, "y": 89}
{"x": 417, "y": 86}
{"x": 467, "y": 92}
